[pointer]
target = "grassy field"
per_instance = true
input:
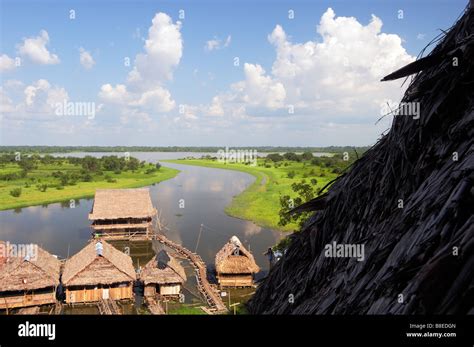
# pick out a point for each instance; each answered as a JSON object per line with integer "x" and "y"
{"x": 260, "y": 202}
{"x": 42, "y": 175}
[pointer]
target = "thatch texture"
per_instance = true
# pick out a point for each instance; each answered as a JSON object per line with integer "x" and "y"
{"x": 3, "y": 254}
{"x": 88, "y": 268}
{"x": 163, "y": 269}
{"x": 234, "y": 258}
{"x": 122, "y": 203}
{"x": 409, "y": 250}
{"x": 21, "y": 274}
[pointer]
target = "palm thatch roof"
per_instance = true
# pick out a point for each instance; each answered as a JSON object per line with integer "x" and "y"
{"x": 3, "y": 253}
{"x": 163, "y": 269}
{"x": 234, "y": 258}
{"x": 122, "y": 203}
{"x": 422, "y": 249}
{"x": 25, "y": 273}
{"x": 88, "y": 267}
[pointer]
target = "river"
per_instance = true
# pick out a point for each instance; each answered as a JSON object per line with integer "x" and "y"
{"x": 205, "y": 192}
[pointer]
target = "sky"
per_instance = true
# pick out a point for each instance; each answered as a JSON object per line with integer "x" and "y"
{"x": 207, "y": 73}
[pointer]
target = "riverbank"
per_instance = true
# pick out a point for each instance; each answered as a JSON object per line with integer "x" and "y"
{"x": 39, "y": 187}
{"x": 260, "y": 202}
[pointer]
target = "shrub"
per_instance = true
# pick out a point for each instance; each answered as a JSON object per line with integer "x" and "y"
{"x": 109, "y": 179}
{"x": 291, "y": 174}
{"x": 15, "y": 192}
{"x": 275, "y": 157}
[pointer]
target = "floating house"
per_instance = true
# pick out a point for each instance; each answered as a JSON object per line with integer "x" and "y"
{"x": 98, "y": 272}
{"x": 122, "y": 214}
{"x": 163, "y": 276}
{"x": 235, "y": 265}
{"x": 31, "y": 280}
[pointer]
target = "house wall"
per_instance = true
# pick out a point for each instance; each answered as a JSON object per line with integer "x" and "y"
{"x": 150, "y": 290}
{"x": 27, "y": 299}
{"x": 235, "y": 280}
{"x": 81, "y": 295}
{"x": 170, "y": 289}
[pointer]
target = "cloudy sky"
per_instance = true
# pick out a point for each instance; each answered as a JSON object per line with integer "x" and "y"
{"x": 237, "y": 73}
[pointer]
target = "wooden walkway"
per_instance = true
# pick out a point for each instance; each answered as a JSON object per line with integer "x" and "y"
{"x": 210, "y": 293}
{"x": 108, "y": 307}
{"x": 155, "y": 307}
{"x": 29, "y": 310}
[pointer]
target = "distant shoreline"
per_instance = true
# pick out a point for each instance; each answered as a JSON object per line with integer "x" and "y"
{"x": 191, "y": 149}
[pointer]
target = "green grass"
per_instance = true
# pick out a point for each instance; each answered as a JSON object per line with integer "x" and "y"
{"x": 31, "y": 195}
{"x": 185, "y": 310}
{"x": 260, "y": 202}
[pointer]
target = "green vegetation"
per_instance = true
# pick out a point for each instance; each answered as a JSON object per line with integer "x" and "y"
{"x": 35, "y": 180}
{"x": 276, "y": 179}
{"x": 186, "y": 309}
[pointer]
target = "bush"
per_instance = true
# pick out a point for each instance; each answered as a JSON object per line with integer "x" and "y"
{"x": 151, "y": 170}
{"x": 275, "y": 157}
{"x": 291, "y": 174}
{"x": 15, "y": 192}
{"x": 292, "y": 156}
{"x": 307, "y": 156}
{"x": 109, "y": 179}
{"x": 86, "y": 178}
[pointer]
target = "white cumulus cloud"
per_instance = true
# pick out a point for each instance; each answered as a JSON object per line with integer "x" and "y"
{"x": 163, "y": 52}
{"x": 86, "y": 59}
{"x": 217, "y": 43}
{"x": 144, "y": 92}
{"x": 331, "y": 79}
{"x": 34, "y": 48}
{"x": 6, "y": 63}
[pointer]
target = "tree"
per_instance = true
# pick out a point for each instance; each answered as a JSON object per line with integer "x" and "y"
{"x": 158, "y": 166}
{"x": 133, "y": 163}
{"x": 305, "y": 192}
{"x": 307, "y": 156}
{"x": 291, "y": 156}
{"x": 275, "y": 157}
{"x": 90, "y": 164}
{"x": 26, "y": 164}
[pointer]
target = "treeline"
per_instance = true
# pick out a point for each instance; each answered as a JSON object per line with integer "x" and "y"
{"x": 337, "y": 163}
{"x": 87, "y": 168}
{"x": 212, "y": 149}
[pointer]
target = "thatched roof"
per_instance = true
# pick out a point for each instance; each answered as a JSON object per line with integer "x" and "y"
{"x": 409, "y": 249}
{"x": 163, "y": 269}
{"x": 122, "y": 203}
{"x": 233, "y": 258}
{"x": 88, "y": 268}
{"x": 3, "y": 253}
{"x": 23, "y": 273}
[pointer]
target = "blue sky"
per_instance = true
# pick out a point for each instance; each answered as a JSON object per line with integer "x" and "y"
{"x": 201, "y": 98}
